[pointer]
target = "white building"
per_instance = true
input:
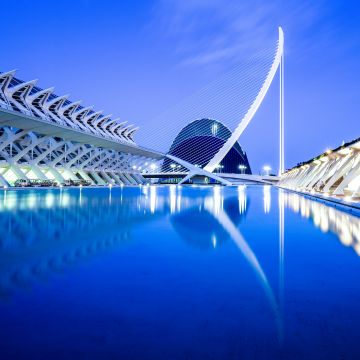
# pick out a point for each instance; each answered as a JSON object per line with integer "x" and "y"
{"x": 45, "y": 136}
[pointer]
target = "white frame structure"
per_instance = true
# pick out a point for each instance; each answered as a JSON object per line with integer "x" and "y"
{"x": 45, "y": 136}
{"x": 335, "y": 172}
{"x": 278, "y": 63}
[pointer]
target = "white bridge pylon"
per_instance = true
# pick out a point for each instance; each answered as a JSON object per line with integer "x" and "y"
{"x": 278, "y": 63}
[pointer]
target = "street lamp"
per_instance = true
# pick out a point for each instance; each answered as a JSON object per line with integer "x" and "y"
{"x": 242, "y": 168}
{"x": 267, "y": 169}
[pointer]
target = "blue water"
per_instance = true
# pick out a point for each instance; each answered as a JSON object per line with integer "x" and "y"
{"x": 177, "y": 273}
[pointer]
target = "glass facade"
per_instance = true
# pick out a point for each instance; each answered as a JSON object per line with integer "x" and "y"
{"x": 199, "y": 141}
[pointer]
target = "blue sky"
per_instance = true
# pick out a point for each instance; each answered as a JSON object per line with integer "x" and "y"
{"x": 138, "y": 59}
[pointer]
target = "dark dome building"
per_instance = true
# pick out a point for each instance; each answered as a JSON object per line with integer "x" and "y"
{"x": 199, "y": 141}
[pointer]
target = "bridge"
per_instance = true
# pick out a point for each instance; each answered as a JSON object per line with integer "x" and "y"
{"x": 46, "y": 136}
{"x": 233, "y": 178}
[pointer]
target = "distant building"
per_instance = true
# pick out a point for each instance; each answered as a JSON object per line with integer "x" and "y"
{"x": 335, "y": 172}
{"x": 199, "y": 141}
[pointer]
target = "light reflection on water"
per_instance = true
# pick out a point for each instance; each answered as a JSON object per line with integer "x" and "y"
{"x": 328, "y": 219}
{"x": 49, "y": 231}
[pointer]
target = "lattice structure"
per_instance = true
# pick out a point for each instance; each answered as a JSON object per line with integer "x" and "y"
{"x": 31, "y": 100}
{"x": 335, "y": 172}
{"x": 42, "y": 137}
{"x": 48, "y": 136}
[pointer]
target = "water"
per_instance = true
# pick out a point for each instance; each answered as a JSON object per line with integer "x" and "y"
{"x": 177, "y": 273}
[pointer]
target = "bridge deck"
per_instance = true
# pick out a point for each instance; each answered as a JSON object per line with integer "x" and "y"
{"x": 235, "y": 177}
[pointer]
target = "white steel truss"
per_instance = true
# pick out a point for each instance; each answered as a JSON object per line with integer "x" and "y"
{"x": 335, "y": 172}
{"x": 45, "y": 136}
{"x": 26, "y": 98}
{"x": 245, "y": 121}
{"x": 27, "y": 155}
{"x": 277, "y": 63}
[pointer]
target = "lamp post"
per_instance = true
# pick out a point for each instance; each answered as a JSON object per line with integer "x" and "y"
{"x": 267, "y": 169}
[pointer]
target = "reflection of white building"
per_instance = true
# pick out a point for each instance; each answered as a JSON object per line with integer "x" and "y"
{"x": 335, "y": 172}
{"x": 45, "y": 136}
{"x": 328, "y": 219}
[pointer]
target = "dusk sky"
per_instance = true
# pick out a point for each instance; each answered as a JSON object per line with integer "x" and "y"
{"x": 138, "y": 59}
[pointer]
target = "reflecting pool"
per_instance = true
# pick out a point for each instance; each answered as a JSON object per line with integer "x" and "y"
{"x": 171, "y": 272}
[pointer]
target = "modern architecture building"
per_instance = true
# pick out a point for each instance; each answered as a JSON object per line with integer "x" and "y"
{"x": 335, "y": 172}
{"x": 46, "y": 136}
{"x": 199, "y": 141}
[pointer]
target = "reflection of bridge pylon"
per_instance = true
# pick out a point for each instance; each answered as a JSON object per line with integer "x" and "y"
{"x": 224, "y": 220}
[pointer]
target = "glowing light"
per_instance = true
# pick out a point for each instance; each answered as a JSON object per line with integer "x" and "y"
{"x": 178, "y": 197}
{"x": 65, "y": 200}
{"x": 214, "y": 129}
{"x": 328, "y": 219}
{"x": 242, "y": 198}
{"x": 213, "y": 240}
{"x": 172, "y": 198}
{"x": 152, "y": 199}
{"x": 31, "y": 201}
{"x": 267, "y": 198}
{"x": 49, "y": 200}
{"x": 217, "y": 199}
{"x": 267, "y": 169}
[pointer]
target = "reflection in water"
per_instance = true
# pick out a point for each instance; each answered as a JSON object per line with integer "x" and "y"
{"x": 200, "y": 228}
{"x": 46, "y": 231}
{"x": 281, "y": 255}
{"x": 49, "y": 230}
{"x": 153, "y": 190}
{"x": 345, "y": 226}
{"x": 267, "y": 198}
{"x": 211, "y": 223}
{"x": 172, "y": 198}
{"x": 242, "y": 198}
{"x": 234, "y": 232}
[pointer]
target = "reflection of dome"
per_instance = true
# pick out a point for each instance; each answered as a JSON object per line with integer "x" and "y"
{"x": 211, "y": 135}
{"x": 201, "y": 229}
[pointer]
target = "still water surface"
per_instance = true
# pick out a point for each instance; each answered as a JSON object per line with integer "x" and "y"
{"x": 177, "y": 273}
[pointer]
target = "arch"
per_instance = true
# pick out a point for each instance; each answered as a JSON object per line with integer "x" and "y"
{"x": 253, "y": 108}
